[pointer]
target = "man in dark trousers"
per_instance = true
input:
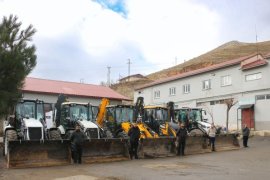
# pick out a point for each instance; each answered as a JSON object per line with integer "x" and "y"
{"x": 245, "y": 132}
{"x": 212, "y": 136}
{"x": 77, "y": 139}
{"x": 181, "y": 136}
{"x": 134, "y": 134}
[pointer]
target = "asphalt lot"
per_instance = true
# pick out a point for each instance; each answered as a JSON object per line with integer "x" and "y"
{"x": 245, "y": 163}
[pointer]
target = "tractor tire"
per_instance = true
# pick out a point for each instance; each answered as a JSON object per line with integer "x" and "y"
{"x": 122, "y": 135}
{"x": 196, "y": 132}
{"x": 68, "y": 134}
{"x": 10, "y": 135}
{"x": 109, "y": 134}
{"x": 55, "y": 135}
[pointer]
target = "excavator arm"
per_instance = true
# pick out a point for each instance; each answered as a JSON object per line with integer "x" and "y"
{"x": 101, "y": 112}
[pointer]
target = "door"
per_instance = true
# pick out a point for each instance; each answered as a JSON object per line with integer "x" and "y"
{"x": 248, "y": 117}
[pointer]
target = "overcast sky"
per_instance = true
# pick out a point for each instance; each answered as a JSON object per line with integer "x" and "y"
{"x": 79, "y": 39}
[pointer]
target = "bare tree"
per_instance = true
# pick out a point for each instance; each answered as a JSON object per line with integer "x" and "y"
{"x": 229, "y": 103}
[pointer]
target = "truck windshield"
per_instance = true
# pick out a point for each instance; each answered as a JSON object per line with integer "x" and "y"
{"x": 78, "y": 112}
{"x": 124, "y": 114}
{"x": 25, "y": 109}
{"x": 189, "y": 114}
{"x": 93, "y": 112}
{"x": 156, "y": 114}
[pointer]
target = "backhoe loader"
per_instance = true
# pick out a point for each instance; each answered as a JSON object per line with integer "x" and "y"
{"x": 99, "y": 145}
{"x": 193, "y": 118}
{"x": 27, "y": 141}
{"x": 158, "y": 118}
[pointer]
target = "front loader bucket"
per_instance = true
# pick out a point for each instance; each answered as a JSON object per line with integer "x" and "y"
{"x": 105, "y": 150}
{"x": 226, "y": 142}
{"x": 24, "y": 154}
{"x": 157, "y": 147}
{"x": 196, "y": 145}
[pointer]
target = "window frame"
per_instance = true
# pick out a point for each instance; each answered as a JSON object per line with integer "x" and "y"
{"x": 255, "y": 76}
{"x": 203, "y": 84}
{"x": 157, "y": 94}
{"x": 172, "y": 91}
{"x": 227, "y": 81}
{"x": 185, "y": 88}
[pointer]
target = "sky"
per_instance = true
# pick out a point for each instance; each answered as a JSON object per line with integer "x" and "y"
{"x": 81, "y": 40}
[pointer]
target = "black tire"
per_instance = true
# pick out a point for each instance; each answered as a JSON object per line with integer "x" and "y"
{"x": 108, "y": 134}
{"x": 54, "y": 135}
{"x": 10, "y": 135}
{"x": 122, "y": 135}
{"x": 69, "y": 133}
{"x": 196, "y": 132}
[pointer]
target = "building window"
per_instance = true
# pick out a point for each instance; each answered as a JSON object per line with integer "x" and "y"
{"x": 251, "y": 77}
{"x": 263, "y": 97}
{"x": 157, "y": 94}
{"x": 207, "y": 84}
{"x": 226, "y": 80}
{"x": 172, "y": 91}
{"x": 186, "y": 88}
{"x": 260, "y": 97}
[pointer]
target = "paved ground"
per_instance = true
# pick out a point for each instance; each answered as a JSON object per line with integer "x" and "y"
{"x": 246, "y": 163}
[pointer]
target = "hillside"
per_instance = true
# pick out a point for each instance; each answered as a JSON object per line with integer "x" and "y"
{"x": 225, "y": 52}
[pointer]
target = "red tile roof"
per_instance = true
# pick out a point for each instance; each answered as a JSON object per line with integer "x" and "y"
{"x": 36, "y": 85}
{"x": 198, "y": 71}
{"x": 259, "y": 62}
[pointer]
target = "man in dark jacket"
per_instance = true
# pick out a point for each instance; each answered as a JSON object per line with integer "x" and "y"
{"x": 77, "y": 139}
{"x": 181, "y": 136}
{"x": 134, "y": 134}
{"x": 245, "y": 132}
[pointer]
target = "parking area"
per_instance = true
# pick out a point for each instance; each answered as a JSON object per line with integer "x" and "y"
{"x": 245, "y": 163}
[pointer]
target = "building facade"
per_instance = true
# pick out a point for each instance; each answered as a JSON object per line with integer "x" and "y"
{"x": 242, "y": 82}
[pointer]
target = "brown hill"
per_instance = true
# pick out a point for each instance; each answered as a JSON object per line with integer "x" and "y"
{"x": 225, "y": 52}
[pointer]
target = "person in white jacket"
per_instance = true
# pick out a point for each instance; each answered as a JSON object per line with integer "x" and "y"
{"x": 212, "y": 136}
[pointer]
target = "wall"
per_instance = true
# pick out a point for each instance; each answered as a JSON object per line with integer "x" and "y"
{"x": 262, "y": 114}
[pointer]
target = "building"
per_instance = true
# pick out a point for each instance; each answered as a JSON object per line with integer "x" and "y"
{"x": 49, "y": 90}
{"x": 243, "y": 80}
{"x": 134, "y": 77}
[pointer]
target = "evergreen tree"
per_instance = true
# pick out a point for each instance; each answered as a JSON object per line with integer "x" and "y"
{"x": 17, "y": 59}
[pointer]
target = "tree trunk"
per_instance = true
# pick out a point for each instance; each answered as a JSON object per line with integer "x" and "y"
{"x": 227, "y": 121}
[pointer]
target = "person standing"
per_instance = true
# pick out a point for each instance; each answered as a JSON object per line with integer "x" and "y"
{"x": 77, "y": 138}
{"x": 212, "y": 136}
{"x": 134, "y": 134}
{"x": 181, "y": 135}
{"x": 245, "y": 132}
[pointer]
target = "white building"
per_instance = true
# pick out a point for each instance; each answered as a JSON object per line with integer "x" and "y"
{"x": 246, "y": 80}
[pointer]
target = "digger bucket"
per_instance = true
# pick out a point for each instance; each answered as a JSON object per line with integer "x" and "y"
{"x": 105, "y": 150}
{"x": 24, "y": 154}
{"x": 196, "y": 145}
{"x": 157, "y": 147}
{"x": 226, "y": 142}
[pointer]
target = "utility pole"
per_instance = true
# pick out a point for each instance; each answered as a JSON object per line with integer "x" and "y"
{"x": 128, "y": 68}
{"x": 256, "y": 40}
{"x": 109, "y": 76}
